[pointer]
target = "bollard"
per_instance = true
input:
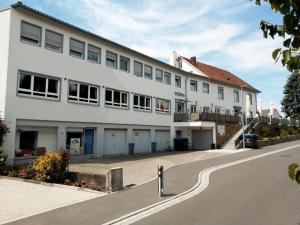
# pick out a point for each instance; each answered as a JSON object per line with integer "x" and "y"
{"x": 160, "y": 174}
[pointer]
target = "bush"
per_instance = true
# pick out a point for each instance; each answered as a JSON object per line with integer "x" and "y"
{"x": 3, "y": 158}
{"x": 51, "y": 167}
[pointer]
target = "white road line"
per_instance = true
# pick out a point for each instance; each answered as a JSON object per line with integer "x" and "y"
{"x": 201, "y": 185}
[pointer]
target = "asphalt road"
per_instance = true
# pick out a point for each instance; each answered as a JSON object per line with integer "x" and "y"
{"x": 255, "y": 192}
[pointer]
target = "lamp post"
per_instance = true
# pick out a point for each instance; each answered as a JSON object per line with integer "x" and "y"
{"x": 243, "y": 119}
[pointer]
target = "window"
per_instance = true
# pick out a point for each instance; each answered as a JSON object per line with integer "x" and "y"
{"x": 111, "y": 59}
{"x": 167, "y": 78}
{"x": 217, "y": 109}
{"x": 38, "y": 85}
{"x": 138, "y": 69}
{"x": 163, "y": 105}
{"x": 250, "y": 98}
{"x": 116, "y": 98}
{"x": 205, "y": 88}
{"x": 227, "y": 111}
{"x": 124, "y": 64}
{"x": 178, "y": 81}
{"x": 77, "y": 48}
{"x": 54, "y": 41}
{"x": 206, "y": 109}
{"x": 236, "y": 96}
{"x": 31, "y": 33}
{"x": 180, "y": 106}
{"x": 159, "y": 75}
{"x": 193, "y": 108}
{"x": 94, "y": 54}
{"x": 81, "y": 92}
{"x": 148, "y": 71}
{"x": 141, "y": 102}
{"x": 193, "y": 85}
{"x": 221, "y": 93}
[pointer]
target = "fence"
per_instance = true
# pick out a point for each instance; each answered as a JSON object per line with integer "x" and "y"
{"x": 213, "y": 117}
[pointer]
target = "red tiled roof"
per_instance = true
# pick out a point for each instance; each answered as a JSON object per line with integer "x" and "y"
{"x": 220, "y": 75}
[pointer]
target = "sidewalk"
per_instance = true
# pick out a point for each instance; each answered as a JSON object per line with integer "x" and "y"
{"x": 140, "y": 169}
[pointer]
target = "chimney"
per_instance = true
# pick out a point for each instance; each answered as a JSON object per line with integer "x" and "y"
{"x": 173, "y": 59}
{"x": 193, "y": 60}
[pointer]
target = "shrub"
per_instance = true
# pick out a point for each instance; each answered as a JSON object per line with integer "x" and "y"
{"x": 26, "y": 173}
{"x": 3, "y": 158}
{"x": 51, "y": 167}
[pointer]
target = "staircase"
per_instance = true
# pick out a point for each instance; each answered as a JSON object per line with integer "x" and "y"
{"x": 230, "y": 144}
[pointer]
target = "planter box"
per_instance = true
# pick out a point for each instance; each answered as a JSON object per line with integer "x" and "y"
{"x": 278, "y": 140}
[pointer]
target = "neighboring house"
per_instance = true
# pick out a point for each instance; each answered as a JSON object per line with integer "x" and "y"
{"x": 266, "y": 113}
{"x": 62, "y": 87}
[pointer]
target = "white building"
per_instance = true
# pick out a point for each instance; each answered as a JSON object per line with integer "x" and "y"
{"x": 64, "y": 87}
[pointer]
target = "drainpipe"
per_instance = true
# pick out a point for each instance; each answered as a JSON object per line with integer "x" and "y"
{"x": 185, "y": 93}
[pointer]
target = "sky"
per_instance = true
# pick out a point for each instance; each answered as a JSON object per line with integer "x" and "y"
{"x": 224, "y": 34}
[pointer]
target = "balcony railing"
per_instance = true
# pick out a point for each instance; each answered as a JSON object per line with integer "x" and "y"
{"x": 212, "y": 117}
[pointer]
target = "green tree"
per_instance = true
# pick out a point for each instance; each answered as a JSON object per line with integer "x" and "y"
{"x": 294, "y": 172}
{"x": 289, "y": 30}
{"x": 291, "y": 96}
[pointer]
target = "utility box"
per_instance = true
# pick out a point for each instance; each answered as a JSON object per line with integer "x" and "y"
{"x": 114, "y": 179}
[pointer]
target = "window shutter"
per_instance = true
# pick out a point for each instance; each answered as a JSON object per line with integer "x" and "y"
{"x": 54, "y": 39}
{"x": 31, "y": 32}
{"x": 94, "y": 49}
{"x": 77, "y": 46}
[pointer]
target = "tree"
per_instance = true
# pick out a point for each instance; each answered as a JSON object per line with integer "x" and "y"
{"x": 291, "y": 96}
{"x": 289, "y": 30}
{"x": 3, "y": 130}
{"x": 294, "y": 172}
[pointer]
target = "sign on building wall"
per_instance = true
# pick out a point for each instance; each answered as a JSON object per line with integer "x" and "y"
{"x": 221, "y": 130}
{"x": 75, "y": 146}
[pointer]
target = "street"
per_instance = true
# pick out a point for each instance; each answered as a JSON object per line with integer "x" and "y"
{"x": 258, "y": 191}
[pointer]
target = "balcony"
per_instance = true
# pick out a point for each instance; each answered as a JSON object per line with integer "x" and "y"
{"x": 212, "y": 117}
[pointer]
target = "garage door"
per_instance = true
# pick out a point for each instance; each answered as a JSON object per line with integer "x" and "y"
{"x": 114, "y": 142}
{"x": 141, "y": 139}
{"x": 162, "y": 139}
{"x": 202, "y": 139}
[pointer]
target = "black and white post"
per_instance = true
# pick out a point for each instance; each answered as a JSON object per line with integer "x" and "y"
{"x": 160, "y": 173}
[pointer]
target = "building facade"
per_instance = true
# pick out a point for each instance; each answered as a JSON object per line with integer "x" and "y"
{"x": 62, "y": 87}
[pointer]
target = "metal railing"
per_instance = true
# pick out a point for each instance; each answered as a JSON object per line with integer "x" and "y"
{"x": 212, "y": 117}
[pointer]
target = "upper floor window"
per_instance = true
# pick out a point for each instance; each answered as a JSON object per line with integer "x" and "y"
{"x": 148, "y": 71}
{"x": 124, "y": 64}
{"x": 167, "y": 78}
{"x": 163, "y": 105}
{"x": 205, "y": 88}
{"x": 221, "y": 93}
{"x": 193, "y": 108}
{"x": 141, "y": 102}
{"x": 54, "y": 41}
{"x": 250, "y": 98}
{"x": 180, "y": 106}
{"x": 206, "y": 109}
{"x": 138, "y": 69}
{"x": 31, "y": 84}
{"x": 31, "y": 33}
{"x": 217, "y": 109}
{"x": 111, "y": 59}
{"x": 116, "y": 98}
{"x": 178, "y": 81}
{"x": 193, "y": 85}
{"x": 236, "y": 96}
{"x": 77, "y": 48}
{"x": 94, "y": 54}
{"x": 81, "y": 92}
{"x": 159, "y": 75}
{"x": 227, "y": 111}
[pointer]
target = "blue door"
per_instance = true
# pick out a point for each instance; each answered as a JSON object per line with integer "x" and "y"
{"x": 88, "y": 141}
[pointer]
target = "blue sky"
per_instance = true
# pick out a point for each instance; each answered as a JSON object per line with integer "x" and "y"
{"x": 223, "y": 33}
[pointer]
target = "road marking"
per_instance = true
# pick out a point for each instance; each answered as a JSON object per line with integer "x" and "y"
{"x": 201, "y": 185}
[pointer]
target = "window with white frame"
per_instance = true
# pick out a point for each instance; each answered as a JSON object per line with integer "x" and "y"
{"x": 236, "y": 96}
{"x": 206, "y": 109}
{"x": 205, "y": 88}
{"x": 94, "y": 54}
{"x": 159, "y": 75}
{"x": 180, "y": 106}
{"x": 250, "y": 98}
{"x": 31, "y": 84}
{"x": 193, "y": 85}
{"x": 163, "y": 106}
{"x": 124, "y": 64}
{"x": 167, "y": 78}
{"x": 148, "y": 71}
{"x": 227, "y": 111}
{"x": 77, "y": 48}
{"x": 111, "y": 59}
{"x": 138, "y": 69}
{"x": 193, "y": 108}
{"x": 81, "y": 92}
{"x": 178, "y": 81}
{"x": 116, "y": 98}
{"x": 31, "y": 33}
{"x": 218, "y": 109}
{"x": 142, "y": 102}
{"x": 220, "y": 93}
{"x": 54, "y": 41}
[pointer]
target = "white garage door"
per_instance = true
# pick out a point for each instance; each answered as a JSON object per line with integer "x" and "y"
{"x": 202, "y": 139}
{"x": 141, "y": 139}
{"x": 162, "y": 139}
{"x": 114, "y": 142}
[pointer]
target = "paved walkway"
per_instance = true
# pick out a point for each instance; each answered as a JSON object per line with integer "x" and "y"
{"x": 140, "y": 169}
{"x": 19, "y": 199}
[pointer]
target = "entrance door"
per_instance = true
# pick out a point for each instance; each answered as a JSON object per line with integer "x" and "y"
{"x": 88, "y": 141}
